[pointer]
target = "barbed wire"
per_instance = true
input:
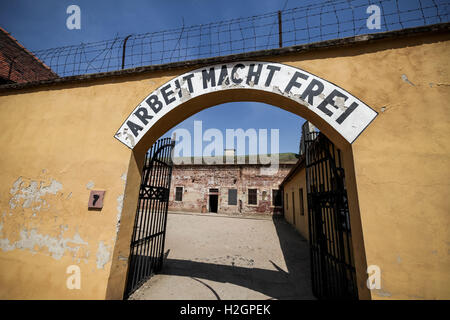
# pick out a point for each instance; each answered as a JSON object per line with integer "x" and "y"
{"x": 300, "y": 25}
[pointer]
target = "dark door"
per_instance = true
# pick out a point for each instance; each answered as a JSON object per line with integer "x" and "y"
{"x": 293, "y": 208}
{"x": 213, "y": 200}
{"x": 147, "y": 242}
{"x": 332, "y": 264}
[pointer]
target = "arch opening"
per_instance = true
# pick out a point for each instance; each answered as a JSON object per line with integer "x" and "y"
{"x": 335, "y": 111}
{"x": 172, "y": 103}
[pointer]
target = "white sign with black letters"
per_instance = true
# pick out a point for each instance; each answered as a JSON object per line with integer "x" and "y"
{"x": 344, "y": 112}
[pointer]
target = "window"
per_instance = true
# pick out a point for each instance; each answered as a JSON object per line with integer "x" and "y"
{"x": 232, "y": 197}
{"x": 264, "y": 196}
{"x": 287, "y": 201}
{"x": 214, "y": 190}
{"x": 276, "y": 198}
{"x": 252, "y": 196}
{"x": 179, "y": 194}
{"x": 302, "y": 205}
{"x": 293, "y": 208}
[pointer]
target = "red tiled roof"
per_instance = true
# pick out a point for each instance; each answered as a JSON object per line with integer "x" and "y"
{"x": 19, "y": 65}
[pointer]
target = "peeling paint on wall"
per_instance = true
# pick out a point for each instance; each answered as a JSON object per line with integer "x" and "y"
{"x": 119, "y": 211}
{"x": 382, "y": 293}
{"x": 122, "y": 258}
{"x": 27, "y": 193}
{"x": 405, "y": 79}
{"x": 57, "y": 246}
{"x": 103, "y": 255}
{"x": 31, "y": 192}
{"x": 120, "y": 203}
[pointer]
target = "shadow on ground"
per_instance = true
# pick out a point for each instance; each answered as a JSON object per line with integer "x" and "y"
{"x": 277, "y": 284}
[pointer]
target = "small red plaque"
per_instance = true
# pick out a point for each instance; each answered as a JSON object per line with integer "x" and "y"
{"x": 96, "y": 199}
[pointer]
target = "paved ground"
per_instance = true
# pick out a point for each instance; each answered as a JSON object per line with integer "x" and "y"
{"x": 215, "y": 257}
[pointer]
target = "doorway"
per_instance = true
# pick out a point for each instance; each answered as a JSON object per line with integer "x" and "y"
{"x": 213, "y": 199}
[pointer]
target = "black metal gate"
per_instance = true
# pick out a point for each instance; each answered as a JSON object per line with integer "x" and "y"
{"x": 147, "y": 242}
{"x": 332, "y": 263}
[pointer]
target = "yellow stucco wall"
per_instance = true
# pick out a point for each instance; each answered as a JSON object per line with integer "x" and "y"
{"x": 300, "y": 222}
{"x": 57, "y": 142}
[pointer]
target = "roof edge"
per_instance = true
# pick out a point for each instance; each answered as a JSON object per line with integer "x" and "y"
{"x": 33, "y": 56}
{"x": 298, "y": 166}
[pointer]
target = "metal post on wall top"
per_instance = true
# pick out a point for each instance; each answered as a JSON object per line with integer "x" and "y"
{"x": 123, "y": 50}
{"x": 280, "y": 30}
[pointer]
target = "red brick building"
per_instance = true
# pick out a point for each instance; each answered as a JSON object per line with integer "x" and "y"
{"x": 18, "y": 65}
{"x": 234, "y": 189}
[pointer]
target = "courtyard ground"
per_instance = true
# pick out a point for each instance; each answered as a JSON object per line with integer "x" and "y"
{"x": 218, "y": 257}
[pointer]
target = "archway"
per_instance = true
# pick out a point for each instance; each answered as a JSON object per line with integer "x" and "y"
{"x": 329, "y": 107}
{"x": 339, "y": 115}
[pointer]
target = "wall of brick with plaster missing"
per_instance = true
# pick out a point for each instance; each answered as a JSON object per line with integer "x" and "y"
{"x": 197, "y": 180}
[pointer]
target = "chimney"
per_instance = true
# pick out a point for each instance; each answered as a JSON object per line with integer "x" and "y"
{"x": 230, "y": 152}
{"x": 308, "y": 130}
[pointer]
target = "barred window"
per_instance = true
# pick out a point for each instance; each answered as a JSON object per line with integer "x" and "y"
{"x": 179, "y": 194}
{"x": 252, "y": 196}
{"x": 232, "y": 197}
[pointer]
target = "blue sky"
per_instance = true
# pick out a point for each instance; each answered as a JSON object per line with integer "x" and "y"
{"x": 42, "y": 24}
